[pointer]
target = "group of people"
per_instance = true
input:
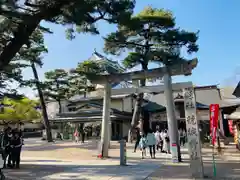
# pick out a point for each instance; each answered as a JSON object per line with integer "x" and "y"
{"x": 11, "y": 146}
{"x": 156, "y": 141}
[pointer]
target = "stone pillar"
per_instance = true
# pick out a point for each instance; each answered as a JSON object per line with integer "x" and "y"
{"x": 171, "y": 119}
{"x": 193, "y": 135}
{"x": 106, "y": 120}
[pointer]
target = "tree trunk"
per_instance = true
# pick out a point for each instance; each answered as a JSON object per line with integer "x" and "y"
{"x": 137, "y": 114}
{"x": 44, "y": 109}
{"x": 20, "y": 38}
{"x": 85, "y": 93}
{"x": 140, "y": 111}
{"x": 25, "y": 30}
{"x": 59, "y": 100}
{"x": 59, "y": 106}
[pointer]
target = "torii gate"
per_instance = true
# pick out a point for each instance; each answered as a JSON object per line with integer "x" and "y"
{"x": 185, "y": 68}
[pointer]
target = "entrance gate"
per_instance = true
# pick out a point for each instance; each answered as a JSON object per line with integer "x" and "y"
{"x": 190, "y": 108}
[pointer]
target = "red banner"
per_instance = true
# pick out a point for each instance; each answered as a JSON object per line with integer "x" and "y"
{"x": 230, "y": 126}
{"x": 214, "y": 113}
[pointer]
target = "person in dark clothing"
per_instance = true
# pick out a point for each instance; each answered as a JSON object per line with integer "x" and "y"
{"x": 16, "y": 151}
{"x": 6, "y": 144}
{"x": 5, "y": 147}
{"x": 83, "y": 135}
{"x": 137, "y": 140}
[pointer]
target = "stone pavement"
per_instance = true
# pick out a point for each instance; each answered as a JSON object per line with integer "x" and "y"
{"x": 71, "y": 161}
{"x": 227, "y": 163}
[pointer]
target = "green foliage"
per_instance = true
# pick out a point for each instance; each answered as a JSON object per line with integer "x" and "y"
{"x": 33, "y": 51}
{"x": 28, "y": 53}
{"x": 12, "y": 72}
{"x": 78, "y": 81}
{"x": 56, "y": 84}
{"x": 80, "y": 16}
{"x": 21, "y": 110}
{"x": 151, "y": 36}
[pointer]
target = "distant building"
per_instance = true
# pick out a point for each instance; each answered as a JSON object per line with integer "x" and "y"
{"x": 88, "y": 110}
{"x": 205, "y": 95}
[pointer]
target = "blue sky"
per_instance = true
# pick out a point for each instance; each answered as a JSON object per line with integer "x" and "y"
{"x": 217, "y": 21}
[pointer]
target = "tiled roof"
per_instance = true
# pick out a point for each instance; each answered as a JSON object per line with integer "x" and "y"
{"x": 227, "y": 92}
{"x": 107, "y": 64}
{"x": 98, "y": 108}
{"x": 110, "y": 67}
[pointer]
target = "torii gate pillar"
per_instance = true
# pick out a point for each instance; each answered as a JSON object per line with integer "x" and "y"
{"x": 106, "y": 121}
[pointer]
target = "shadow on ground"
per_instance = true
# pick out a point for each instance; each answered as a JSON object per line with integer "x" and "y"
{"x": 225, "y": 170}
{"x": 90, "y": 145}
{"x": 80, "y": 172}
{"x": 71, "y": 172}
{"x": 55, "y": 146}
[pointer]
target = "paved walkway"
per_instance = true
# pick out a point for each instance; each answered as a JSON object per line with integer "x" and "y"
{"x": 228, "y": 166}
{"x": 71, "y": 161}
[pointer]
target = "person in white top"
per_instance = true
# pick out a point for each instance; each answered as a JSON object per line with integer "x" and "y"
{"x": 158, "y": 139}
{"x": 162, "y": 137}
{"x": 166, "y": 142}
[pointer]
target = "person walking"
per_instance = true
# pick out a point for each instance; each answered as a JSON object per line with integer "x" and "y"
{"x": 151, "y": 142}
{"x": 162, "y": 139}
{"x": 143, "y": 145}
{"x": 166, "y": 142}
{"x": 6, "y": 146}
{"x": 83, "y": 133}
{"x": 137, "y": 140}
{"x": 76, "y": 135}
{"x": 158, "y": 140}
{"x": 16, "y": 149}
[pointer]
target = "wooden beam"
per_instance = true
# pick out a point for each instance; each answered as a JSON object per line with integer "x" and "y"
{"x": 183, "y": 68}
{"x": 151, "y": 89}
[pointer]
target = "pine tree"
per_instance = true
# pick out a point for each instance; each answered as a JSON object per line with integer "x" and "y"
{"x": 80, "y": 16}
{"x": 150, "y": 36}
{"x": 56, "y": 86}
{"x": 79, "y": 83}
{"x": 30, "y": 56}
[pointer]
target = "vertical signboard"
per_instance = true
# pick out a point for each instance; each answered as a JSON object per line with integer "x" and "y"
{"x": 214, "y": 114}
{"x": 193, "y": 136}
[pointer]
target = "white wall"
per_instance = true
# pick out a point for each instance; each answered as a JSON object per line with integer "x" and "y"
{"x": 52, "y": 108}
{"x": 128, "y": 104}
{"x": 203, "y": 115}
